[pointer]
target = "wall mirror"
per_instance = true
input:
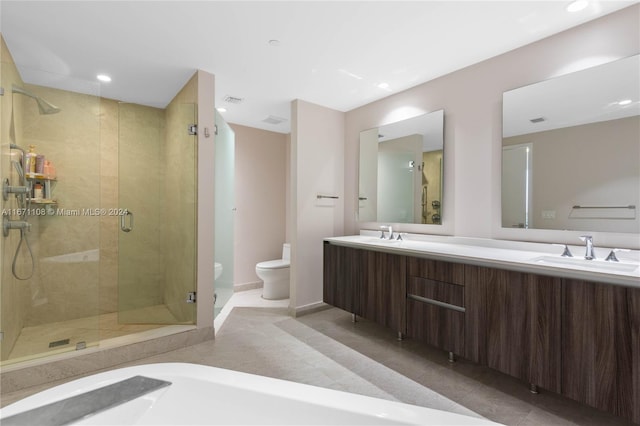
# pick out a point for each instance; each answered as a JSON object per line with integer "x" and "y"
{"x": 400, "y": 179}
{"x": 571, "y": 150}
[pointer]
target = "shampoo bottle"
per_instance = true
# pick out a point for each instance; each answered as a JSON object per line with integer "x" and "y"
{"x": 30, "y": 162}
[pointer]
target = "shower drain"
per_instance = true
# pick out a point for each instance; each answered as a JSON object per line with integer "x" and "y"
{"x": 59, "y": 343}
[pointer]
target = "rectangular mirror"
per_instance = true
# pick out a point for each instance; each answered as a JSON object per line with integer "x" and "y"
{"x": 401, "y": 171}
{"x": 571, "y": 151}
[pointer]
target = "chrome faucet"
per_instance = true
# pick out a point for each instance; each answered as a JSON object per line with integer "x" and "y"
{"x": 386, "y": 228}
{"x": 590, "y": 254}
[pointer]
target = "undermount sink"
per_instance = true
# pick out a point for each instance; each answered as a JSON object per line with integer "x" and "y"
{"x": 595, "y": 264}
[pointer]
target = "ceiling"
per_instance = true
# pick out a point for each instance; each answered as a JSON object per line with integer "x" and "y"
{"x": 338, "y": 54}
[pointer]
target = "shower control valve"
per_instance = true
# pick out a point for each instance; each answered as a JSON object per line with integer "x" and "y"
{"x": 8, "y": 189}
{"x": 8, "y": 224}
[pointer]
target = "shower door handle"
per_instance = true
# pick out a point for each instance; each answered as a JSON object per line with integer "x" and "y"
{"x": 123, "y": 221}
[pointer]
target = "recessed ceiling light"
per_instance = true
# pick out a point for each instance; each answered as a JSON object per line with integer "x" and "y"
{"x": 221, "y": 109}
{"x": 625, "y": 102}
{"x": 383, "y": 85}
{"x": 274, "y": 43}
{"x": 104, "y": 78}
{"x": 577, "y": 5}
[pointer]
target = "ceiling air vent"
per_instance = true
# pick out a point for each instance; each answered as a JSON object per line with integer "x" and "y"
{"x": 272, "y": 119}
{"x": 538, "y": 120}
{"x": 232, "y": 99}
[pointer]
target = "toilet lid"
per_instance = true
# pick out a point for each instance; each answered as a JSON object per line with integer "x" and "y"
{"x": 274, "y": 264}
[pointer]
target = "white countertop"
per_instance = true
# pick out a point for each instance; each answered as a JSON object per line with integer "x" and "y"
{"x": 538, "y": 258}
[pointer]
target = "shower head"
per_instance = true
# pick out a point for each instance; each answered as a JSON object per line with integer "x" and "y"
{"x": 44, "y": 106}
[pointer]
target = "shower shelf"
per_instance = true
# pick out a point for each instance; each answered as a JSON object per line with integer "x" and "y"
{"x": 38, "y": 176}
{"x": 48, "y": 183}
{"x": 44, "y": 201}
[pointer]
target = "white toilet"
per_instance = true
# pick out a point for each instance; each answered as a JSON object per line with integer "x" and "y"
{"x": 275, "y": 275}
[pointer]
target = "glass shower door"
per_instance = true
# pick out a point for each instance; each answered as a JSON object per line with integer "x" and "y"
{"x": 224, "y": 212}
{"x": 157, "y": 214}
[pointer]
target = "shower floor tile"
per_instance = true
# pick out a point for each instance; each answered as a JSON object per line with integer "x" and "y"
{"x": 34, "y": 341}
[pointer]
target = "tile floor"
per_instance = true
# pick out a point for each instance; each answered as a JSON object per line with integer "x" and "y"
{"x": 326, "y": 349}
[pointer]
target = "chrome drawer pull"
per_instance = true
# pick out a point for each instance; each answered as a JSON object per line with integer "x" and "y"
{"x": 436, "y": 302}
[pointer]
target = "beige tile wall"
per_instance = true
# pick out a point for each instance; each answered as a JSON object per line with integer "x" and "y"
{"x": 71, "y": 140}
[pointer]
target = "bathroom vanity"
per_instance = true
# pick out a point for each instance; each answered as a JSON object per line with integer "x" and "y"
{"x": 568, "y": 326}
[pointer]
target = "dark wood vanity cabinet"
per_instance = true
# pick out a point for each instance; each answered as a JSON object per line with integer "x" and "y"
{"x": 435, "y": 303}
{"x": 383, "y": 289}
{"x": 342, "y": 277}
{"x": 573, "y": 337}
{"x": 367, "y": 283}
{"x": 523, "y": 325}
{"x": 601, "y": 347}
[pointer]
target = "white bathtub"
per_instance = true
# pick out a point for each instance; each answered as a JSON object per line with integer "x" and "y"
{"x": 207, "y": 395}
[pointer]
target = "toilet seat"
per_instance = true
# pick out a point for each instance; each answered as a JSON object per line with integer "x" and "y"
{"x": 274, "y": 264}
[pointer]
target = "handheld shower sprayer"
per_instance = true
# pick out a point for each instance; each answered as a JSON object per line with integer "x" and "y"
{"x": 23, "y": 199}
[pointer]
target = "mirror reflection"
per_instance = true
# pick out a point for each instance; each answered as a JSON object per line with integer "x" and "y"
{"x": 570, "y": 151}
{"x": 401, "y": 171}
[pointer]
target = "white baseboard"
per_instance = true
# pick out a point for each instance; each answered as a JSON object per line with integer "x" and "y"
{"x": 308, "y": 309}
{"x": 247, "y": 286}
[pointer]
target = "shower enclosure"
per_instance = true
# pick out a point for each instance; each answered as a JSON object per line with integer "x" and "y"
{"x": 101, "y": 243}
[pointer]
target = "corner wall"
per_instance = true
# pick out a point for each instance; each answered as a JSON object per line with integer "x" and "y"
{"x": 472, "y": 103}
{"x": 317, "y": 168}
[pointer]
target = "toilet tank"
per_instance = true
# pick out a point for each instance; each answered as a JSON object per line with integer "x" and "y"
{"x": 286, "y": 251}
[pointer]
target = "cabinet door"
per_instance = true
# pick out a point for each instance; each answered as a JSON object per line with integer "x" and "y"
{"x": 523, "y": 325}
{"x": 596, "y": 346}
{"x": 343, "y": 271}
{"x": 384, "y": 289}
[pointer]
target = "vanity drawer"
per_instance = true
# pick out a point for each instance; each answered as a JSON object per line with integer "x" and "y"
{"x": 435, "y": 314}
{"x": 431, "y": 291}
{"x": 436, "y": 270}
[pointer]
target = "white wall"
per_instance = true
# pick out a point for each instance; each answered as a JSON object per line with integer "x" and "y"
{"x": 317, "y": 167}
{"x": 472, "y": 103}
{"x": 260, "y": 188}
